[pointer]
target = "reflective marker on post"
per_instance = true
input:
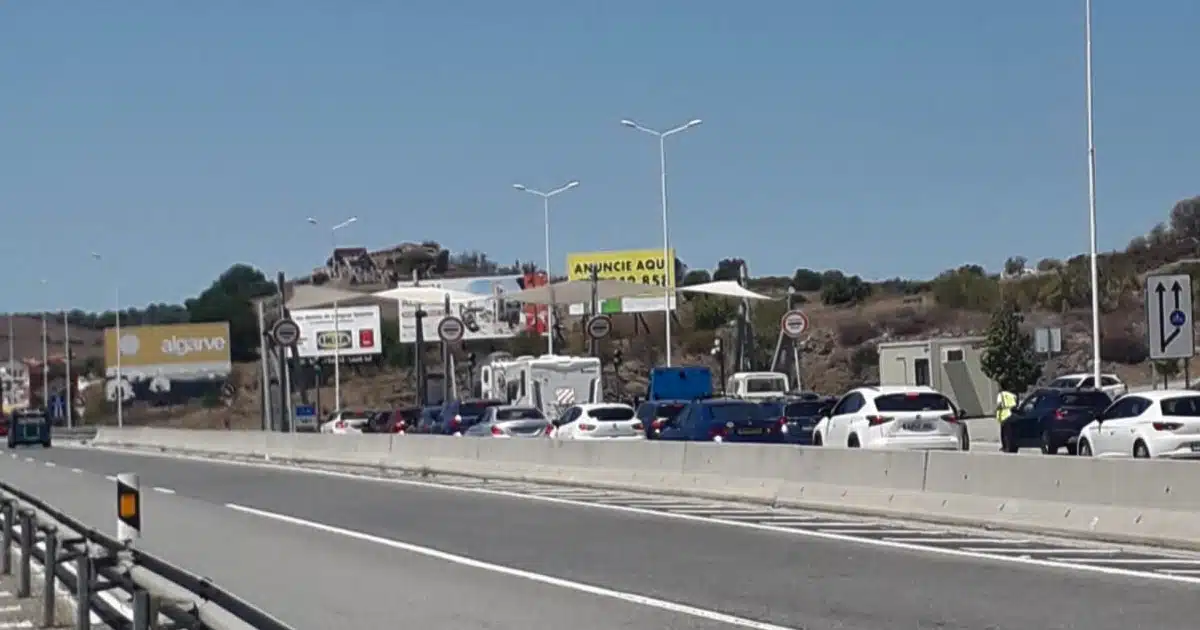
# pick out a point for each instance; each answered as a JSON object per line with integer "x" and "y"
{"x": 129, "y": 507}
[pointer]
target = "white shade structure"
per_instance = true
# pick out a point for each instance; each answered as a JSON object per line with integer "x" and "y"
{"x": 427, "y": 295}
{"x": 725, "y": 288}
{"x": 580, "y": 292}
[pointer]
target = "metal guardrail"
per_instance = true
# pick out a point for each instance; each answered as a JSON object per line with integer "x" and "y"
{"x": 91, "y": 565}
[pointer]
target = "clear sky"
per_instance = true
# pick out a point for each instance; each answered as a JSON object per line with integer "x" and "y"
{"x": 884, "y": 138}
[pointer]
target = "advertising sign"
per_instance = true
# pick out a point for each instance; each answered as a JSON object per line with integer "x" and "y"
{"x": 490, "y": 317}
{"x": 355, "y": 335}
{"x": 640, "y": 266}
{"x": 170, "y": 351}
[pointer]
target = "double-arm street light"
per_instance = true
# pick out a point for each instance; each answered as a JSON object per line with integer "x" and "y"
{"x": 668, "y": 264}
{"x": 546, "y": 210}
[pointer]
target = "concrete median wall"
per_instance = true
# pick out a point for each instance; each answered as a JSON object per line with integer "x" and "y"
{"x": 1152, "y": 501}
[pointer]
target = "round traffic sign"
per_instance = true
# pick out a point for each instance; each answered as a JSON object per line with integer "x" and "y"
{"x": 794, "y": 323}
{"x": 1178, "y": 318}
{"x": 285, "y": 332}
{"x": 450, "y": 329}
{"x": 599, "y": 326}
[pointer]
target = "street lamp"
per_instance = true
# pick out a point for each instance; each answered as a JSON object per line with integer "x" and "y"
{"x": 546, "y": 210}
{"x": 337, "y": 330}
{"x": 668, "y": 265}
{"x": 1092, "y": 198}
{"x": 45, "y": 357}
{"x": 117, "y": 349}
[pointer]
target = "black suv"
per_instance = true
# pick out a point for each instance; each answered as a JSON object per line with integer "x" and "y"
{"x": 1050, "y": 419}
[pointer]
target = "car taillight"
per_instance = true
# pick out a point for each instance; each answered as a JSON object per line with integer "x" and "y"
{"x": 549, "y": 430}
{"x": 1060, "y": 414}
{"x": 658, "y": 423}
{"x": 497, "y": 431}
{"x": 456, "y": 420}
{"x": 949, "y": 417}
{"x": 877, "y": 420}
{"x": 716, "y": 432}
{"x": 587, "y": 427}
{"x": 339, "y": 425}
{"x": 1167, "y": 426}
{"x": 637, "y": 426}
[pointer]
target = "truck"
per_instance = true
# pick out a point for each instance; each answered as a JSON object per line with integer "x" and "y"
{"x": 757, "y": 385}
{"x": 679, "y": 383}
{"x": 551, "y": 383}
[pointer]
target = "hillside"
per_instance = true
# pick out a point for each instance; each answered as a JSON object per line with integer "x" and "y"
{"x": 849, "y": 315}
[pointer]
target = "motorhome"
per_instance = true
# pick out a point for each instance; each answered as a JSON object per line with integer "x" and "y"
{"x": 551, "y": 383}
{"x": 757, "y": 385}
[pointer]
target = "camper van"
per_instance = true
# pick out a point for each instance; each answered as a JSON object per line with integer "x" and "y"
{"x": 550, "y": 383}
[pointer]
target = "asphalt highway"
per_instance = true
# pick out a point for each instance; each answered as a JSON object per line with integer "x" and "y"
{"x": 385, "y": 554}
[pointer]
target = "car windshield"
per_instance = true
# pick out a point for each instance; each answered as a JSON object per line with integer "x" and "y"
{"x": 475, "y": 409}
{"x": 737, "y": 412}
{"x": 521, "y": 413}
{"x": 1181, "y": 406}
{"x": 766, "y": 384}
{"x": 773, "y": 408}
{"x": 1093, "y": 400}
{"x": 913, "y": 401}
{"x": 611, "y": 414}
{"x": 804, "y": 409}
{"x": 1067, "y": 382}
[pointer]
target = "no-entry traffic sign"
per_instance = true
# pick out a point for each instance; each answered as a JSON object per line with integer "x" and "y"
{"x": 451, "y": 329}
{"x": 599, "y": 326}
{"x": 794, "y": 323}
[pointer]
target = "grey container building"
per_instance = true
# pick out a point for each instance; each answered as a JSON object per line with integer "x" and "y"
{"x": 950, "y": 365}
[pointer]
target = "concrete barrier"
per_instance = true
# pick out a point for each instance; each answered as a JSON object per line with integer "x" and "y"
{"x": 1155, "y": 502}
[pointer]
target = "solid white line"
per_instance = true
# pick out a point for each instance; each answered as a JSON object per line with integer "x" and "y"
{"x": 1181, "y": 571}
{"x": 110, "y": 477}
{"x": 958, "y": 541}
{"x": 50, "y": 464}
{"x": 788, "y": 517}
{"x": 163, "y": 490}
{"x": 76, "y": 470}
{"x": 838, "y": 525}
{"x": 1166, "y": 561}
{"x": 632, "y": 598}
{"x": 897, "y": 532}
{"x": 1043, "y": 550}
{"x": 769, "y": 527}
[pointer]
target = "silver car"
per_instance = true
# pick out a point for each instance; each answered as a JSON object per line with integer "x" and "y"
{"x": 509, "y": 421}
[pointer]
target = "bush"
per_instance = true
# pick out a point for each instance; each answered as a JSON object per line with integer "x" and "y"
{"x": 853, "y": 332}
{"x": 839, "y": 290}
{"x": 864, "y": 364}
{"x": 1123, "y": 346}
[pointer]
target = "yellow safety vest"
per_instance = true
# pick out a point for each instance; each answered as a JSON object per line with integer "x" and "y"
{"x": 1005, "y": 405}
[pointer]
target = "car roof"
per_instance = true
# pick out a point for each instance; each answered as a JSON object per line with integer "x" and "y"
{"x": 1082, "y": 375}
{"x": 590, "y": 406}
{"x": 513, "y": 407}
{"x": 1162, "y": 394}
{"x": 886, "y": 390}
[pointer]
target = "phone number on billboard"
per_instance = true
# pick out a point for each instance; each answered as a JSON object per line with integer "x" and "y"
{"x": 656, "y": 280}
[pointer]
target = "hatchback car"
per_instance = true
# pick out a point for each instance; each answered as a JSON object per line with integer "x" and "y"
{"x": 599, "y": 421}
{"x": 724, "y": 420}
{"x": 892, "y": 416}
{"x": 508, "y": 421}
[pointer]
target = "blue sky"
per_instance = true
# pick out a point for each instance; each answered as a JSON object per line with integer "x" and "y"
{"x": 884, "y": 138}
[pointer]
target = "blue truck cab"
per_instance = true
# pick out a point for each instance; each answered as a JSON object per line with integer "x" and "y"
{"x": 685, "y": 383}
{"x": 28, "y": 426}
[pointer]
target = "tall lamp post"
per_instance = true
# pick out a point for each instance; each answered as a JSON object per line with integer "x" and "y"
{"x": 337, "y": 330}
{"x": 1092, "y": 197}
{"x": 546, "y": 210}
{"x": 45, "y": 357}
{"x": 668, "y": 265}
{"x": 120, "y": 380}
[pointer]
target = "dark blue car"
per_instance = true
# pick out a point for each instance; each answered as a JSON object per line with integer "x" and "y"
{"x": 799, "y": 416}
{"x": 723, "y": 420}
{"x": 459, "y": 415}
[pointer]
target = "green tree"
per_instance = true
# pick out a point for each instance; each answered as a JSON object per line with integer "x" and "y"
{"x": 228, "y": 299}
{"x": 1168, "y": 368}
{"x": 806, "y": 280}
{"x": 837, "y": 289}
{"x": 698, "y": 276}
{"x": 1008, "y": 356}
{"x": 728, "y": 269}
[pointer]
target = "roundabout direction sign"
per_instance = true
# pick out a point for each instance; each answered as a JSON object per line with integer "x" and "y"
{"x": 599, "y": 327}
{"x": 451, "y": 329}
{"x": 285, "y": 332}
{"x": 794, "y": 323}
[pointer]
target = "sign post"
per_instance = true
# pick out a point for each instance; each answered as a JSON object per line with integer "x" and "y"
{"x": 129, "y": 508}
{"x": 1169, "y": 317}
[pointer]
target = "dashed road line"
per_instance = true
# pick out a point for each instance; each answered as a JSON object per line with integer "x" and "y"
{"x": 163, "y": 490}
{"x": 50, "y": 464}
{"x": 1043, "y": 551}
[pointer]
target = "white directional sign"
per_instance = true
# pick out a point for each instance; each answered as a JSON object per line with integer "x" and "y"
{"x": 1169, "y": 317}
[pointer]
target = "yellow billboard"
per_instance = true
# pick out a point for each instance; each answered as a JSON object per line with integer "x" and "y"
{"x": 643, "y": 266}
{"x": 172, "y": 349}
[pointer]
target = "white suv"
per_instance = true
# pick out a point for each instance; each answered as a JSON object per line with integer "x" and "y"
{"x": 906, "y": 417}
{"x": 1109, "y": 383}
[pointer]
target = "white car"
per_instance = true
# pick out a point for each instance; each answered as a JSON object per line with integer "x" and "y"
{"x": 1163, "y": 423}
{"x": 345, "y": 422}
{"x": 905, "y": 417}
{"x": 599, "y": 421}
{"x": 1109, "y": 383}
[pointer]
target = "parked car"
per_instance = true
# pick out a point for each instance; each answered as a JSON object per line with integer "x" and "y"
{"x": 656, "y": 413}
{"x": 724, "y": 420}
{"x": 346, "y": 421}
{"x": 1163, "y": 423}
{"x": 1051, "y": 419}
{"x": 509, "y": 421}
{"x": 431, "y": 418}
{"x": 393, "y": 421}
{"x": 599, "y": 421}
{"x": 460, "y": 415}
{"x": 1110, "y": 384}
{"x": 799, "y": 416}
{"x": 892, "y": 416}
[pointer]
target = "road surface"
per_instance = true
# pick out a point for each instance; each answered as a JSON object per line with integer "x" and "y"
{"x": 336, "y": 552}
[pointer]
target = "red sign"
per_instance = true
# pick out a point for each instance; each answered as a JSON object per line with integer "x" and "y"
{"x": 366, "y": 338}
{"x": 535, "y": 316}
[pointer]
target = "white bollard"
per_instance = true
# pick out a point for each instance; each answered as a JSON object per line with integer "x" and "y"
{"x": 129, "y": 508}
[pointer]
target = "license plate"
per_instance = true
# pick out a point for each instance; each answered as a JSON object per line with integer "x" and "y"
{"x": 918, "y": 426}
{"x": 750, "y": 431}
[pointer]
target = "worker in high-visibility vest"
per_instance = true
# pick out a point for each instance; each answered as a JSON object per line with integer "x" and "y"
{"x": 1006, "y": 401}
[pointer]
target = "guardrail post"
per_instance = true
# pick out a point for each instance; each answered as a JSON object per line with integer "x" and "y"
{"x": 6, "y": 533}
{"x": 23, "y": 571}
{"x": 83, "y": 591}
{"x": 141, "y": 610}
{"x": 49, "y": 565}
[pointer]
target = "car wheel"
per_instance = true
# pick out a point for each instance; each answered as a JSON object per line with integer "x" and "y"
{"x": 853, "y": 442}
{"x": 1048, "y": 447}
{"x": 964, "y": 439}
{"x": 1085, "y": 448}
{"x": 1072, "y": 449}
{"x": 1140, "y": 450}
{"x": 817, "y": 441}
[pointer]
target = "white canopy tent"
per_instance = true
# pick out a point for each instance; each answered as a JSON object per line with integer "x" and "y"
{"x": 428, "y": 295}
{"x": 725, "y": 288}
{"x": 580, "y": 292}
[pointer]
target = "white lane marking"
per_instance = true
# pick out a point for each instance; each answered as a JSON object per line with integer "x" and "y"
{"x": 110, "y": 477}
{"x": 787, "y": 517}
{"x": 77, "y": 470}
{"x": 1044, "y": 550}
{"x": 163, "y": 490}
{"x": 28, "y": 459}
{"x": 5, "y": 594}
{"x": 781, "y": 523}
{"x": 958, "y": 541}
{"x": 600, "y": 591}
{"x": 10, "y": 608}
{"x": 838, "y": 525}
{"x": 50, "y": 464}
{"x": 1181, "y": 571}
{"x": 1079, "y": 565}
{"x": 1166, "y": 561}
{"x": 868, "y": 532}
{"x": 5, "y": 625}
